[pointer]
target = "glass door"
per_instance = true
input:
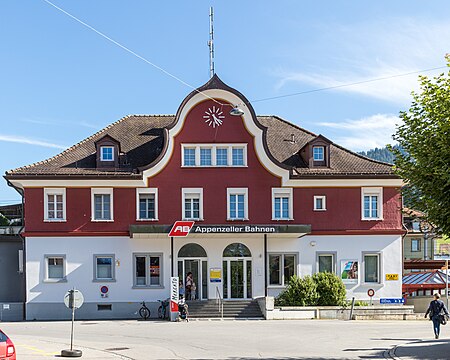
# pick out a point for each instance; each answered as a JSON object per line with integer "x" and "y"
{"x": 237, "y": 278}
{"x": 198, "y": 268}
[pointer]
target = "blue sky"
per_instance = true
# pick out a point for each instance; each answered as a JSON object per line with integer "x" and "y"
{"x": 61, "y": 82}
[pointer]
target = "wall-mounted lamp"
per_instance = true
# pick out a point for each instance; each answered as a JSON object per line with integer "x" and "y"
{"x": 312, "y": 243}
{"x": 236, "y": 111}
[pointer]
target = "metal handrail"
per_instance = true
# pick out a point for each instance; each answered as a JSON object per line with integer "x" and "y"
{"x": 219, "y": 301}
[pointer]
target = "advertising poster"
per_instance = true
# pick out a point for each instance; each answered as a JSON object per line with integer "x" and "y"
{"x": 349, "y": 271}
{"x": 215, "y": 275}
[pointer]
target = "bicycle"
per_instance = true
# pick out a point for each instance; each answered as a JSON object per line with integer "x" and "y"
{"x": 144, "y": 311}
{"x": 162, "y": 310}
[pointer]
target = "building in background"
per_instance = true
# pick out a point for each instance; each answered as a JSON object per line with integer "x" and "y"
{"x": 419, "y": 241}
{"x": 269, "y": 200}
{"x": 12, "y": 278}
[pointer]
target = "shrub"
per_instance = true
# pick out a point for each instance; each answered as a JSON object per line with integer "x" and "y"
{"x": 330, "y": 288}
{"x": 299, "y": 292}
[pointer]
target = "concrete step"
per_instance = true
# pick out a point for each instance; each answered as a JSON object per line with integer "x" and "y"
{"x": 231, "y": 309}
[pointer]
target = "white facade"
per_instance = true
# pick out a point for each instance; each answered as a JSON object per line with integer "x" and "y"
{"x": 44, "y": 298}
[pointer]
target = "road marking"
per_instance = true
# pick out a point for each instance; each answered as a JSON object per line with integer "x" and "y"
{"x": 37, "y": 350}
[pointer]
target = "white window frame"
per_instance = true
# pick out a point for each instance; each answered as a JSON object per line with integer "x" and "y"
{"x": 46, "y": 272}
{"x": 283, "y": 192}
{"x": 333, "y": 254}
{"x": 54, "y": 191}
{"x": 281, "y": 278}
{"x": 196, "y": 154}
{"x": 192, "y": 193}
{"x": 323, "y": 152}
{"x": 419, "y": 243}
{"x": 371, "y": 191}
{"x": 147, "y": 270}
{"x": 324, "y": 202}
{"x": 113, "y": 268}
{"x": 101, "y": 153}
{"x": 237, "y": 191}
{"x": 140, "y": 191}
{"x": 102, "y": 191}
{"x": 380, "y": 272}
{"x": 214, "y": 148}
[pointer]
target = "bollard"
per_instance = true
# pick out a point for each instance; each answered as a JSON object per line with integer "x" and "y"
{"x": 351, "y": 309}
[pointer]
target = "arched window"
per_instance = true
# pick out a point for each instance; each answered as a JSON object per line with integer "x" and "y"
{"x": 237, "y": 250}
{"x": 192, "y": 250}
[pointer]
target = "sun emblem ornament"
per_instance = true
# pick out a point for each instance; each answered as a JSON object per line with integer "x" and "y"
{"x": 213, "y": 117}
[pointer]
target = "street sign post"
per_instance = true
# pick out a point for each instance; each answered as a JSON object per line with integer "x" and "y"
{"x": 370, "y": 293}
{"x": 73, "y": 300}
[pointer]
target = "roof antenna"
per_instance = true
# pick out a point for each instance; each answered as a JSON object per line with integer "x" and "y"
{"x": 211, "y": 42}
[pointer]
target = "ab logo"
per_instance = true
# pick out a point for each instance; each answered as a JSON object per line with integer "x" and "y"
{"x": 181, "y": 228}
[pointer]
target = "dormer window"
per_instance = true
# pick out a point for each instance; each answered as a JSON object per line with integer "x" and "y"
{"x": 316, "y": 152}
{"x": 319, "y": 153}
{"x": 107, "y": 153}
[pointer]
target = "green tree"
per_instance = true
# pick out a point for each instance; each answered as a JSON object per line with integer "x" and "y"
{"x": 425, "y": 138}
{"x": 330, "y": 288}
{"x": 3, "y": 220}
{"x": 299, "y": 292}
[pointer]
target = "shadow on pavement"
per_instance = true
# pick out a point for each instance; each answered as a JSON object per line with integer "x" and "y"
{"x": 430, "y": 349}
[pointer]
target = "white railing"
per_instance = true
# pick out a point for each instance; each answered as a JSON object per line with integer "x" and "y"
{"x": 219, "y": 301}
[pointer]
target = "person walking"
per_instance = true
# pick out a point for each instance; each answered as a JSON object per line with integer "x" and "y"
{"x": 436, "y": 309}
{"x": 188, "y": 283}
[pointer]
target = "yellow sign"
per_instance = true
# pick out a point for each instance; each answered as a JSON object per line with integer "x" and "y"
{"x": 215, "y": 275}
{"x": 391, "y": 276}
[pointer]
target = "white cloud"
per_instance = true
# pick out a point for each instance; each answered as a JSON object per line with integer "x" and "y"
{"x": 371, "y": 50}
{"x": 29, "y": 141}
{"x": 60, "y": 123}
{"x": 365, "y": 133}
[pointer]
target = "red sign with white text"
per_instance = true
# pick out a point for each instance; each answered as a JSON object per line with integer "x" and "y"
{"x": 181, "y": 228}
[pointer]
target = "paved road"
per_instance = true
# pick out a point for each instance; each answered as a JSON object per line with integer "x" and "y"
{"x": 201, "y": 340}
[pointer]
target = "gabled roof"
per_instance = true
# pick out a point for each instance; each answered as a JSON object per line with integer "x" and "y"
{"x": 143, "y": 138}
{"x": 434, "y": 279}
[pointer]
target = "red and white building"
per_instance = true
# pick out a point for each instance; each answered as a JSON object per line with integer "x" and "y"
{"x": 269, "y": 200}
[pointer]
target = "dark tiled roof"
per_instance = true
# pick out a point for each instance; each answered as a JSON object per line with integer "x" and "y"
{"x": 142, "y": 141}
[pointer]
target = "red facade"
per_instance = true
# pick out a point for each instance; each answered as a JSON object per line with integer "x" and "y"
{"x": 343, "y": 212}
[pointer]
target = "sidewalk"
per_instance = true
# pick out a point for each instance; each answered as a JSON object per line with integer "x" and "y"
{"x": 426, "y": 349}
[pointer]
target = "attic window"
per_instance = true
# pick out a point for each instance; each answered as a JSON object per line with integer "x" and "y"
{"x": 319, "y": 153}
{"x": 107, "y": 153}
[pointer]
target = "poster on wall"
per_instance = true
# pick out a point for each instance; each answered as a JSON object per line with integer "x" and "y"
{"x": 215, "y": 275}
{"x": 349, "y": 271}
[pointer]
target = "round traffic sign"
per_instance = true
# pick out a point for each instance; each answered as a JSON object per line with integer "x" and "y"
{"x": 73, "y": 298}
{"x": 104, "y": 289}
{"x": 371, "y": 292}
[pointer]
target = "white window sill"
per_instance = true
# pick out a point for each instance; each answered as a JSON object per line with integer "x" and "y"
{"x": 213, "y": 166}
{"x": 375, "y": 284}
{"x": 101, "y": 220}
{"x": 238, "y": 219}
{"x": 147, "y": 219}
{"x": 282, "y": 219}
{"x": 192, "y": 219}
{"x": 276, "y": 286}
{"x": 55, "y": 221}
{"x": 148, "y": 287}
{"x": 372, "y": 219}
{"x": 54, "y": 281}
{"x": 104, "y": 280}
{"x": 320, "y": 209}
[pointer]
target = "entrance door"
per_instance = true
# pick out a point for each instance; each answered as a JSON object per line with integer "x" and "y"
{"x": 237, "y": 272}
{"x": 192, "y": 258}
{"x": 198, "y": 268}
{"x": 237, "y": 278}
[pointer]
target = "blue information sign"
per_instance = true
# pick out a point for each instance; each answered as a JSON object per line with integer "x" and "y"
{"x": 392, "y": 301}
